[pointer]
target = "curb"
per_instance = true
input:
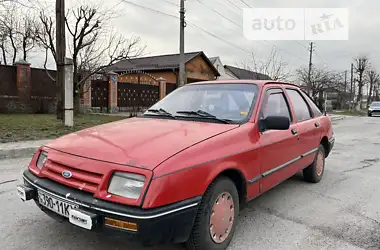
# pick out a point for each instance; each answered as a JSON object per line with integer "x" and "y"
{"x": 20, "y": 149}
{"x": 17, "y": 152}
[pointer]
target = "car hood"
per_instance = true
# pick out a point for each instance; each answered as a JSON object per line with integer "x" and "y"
{"x": 139, "y": 142}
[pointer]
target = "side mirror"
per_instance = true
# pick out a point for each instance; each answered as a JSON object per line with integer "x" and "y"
{"x": 274, "y": 123}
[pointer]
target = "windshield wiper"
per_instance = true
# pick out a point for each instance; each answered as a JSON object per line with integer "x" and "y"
{"x": 161, "y": 112}
{"x": 204, "y": 114}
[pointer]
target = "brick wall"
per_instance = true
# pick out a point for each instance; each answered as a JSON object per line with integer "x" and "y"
{"x": 26, "y": 90}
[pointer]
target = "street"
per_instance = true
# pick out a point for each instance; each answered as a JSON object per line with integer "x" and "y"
{"x": 341, "y": 212}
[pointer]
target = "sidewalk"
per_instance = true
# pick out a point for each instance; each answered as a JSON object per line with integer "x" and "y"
{"x": 337, "y": 117}
{"x": 20, "y": 149}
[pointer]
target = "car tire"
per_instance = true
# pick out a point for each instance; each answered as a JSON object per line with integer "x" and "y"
{"x": 200, "y": 237}
{"x": 369, "y": 114}
{"x": 315, "y": 171}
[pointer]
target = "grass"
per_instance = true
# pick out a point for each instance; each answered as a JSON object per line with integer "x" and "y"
{"x": 23, "y": 127}
{"x": 352, "y": 113}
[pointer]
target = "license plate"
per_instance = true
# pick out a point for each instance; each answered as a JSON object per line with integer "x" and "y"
{"x": 56, "y": 205}
{"x": 21, "y": 193}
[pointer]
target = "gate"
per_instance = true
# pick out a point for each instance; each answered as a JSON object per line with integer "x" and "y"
{"x": 137, "y": 91}
{"x": 99, "y": 94}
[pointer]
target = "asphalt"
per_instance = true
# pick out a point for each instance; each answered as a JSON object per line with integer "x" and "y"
{"x": 341, "y": 212}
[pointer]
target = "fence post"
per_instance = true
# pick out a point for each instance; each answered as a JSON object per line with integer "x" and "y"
{"x": 162, "y": 85}
{"x": 69, "y": 93}
{"x": 24, "y": 84}
{"x": 86, "y": 100}
{"x": 112, "y": 92}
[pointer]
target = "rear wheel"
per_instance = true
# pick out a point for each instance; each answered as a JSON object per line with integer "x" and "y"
{"x": 314, "y": 172}
{"x": 215, "y": 222}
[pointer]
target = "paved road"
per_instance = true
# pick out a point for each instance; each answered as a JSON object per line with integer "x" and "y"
{"x": 342, "y": 212}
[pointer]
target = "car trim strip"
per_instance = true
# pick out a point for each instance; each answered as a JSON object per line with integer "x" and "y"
{"x": 112, "y": 212}
{"x": 257, "y": 178}
{"x": 281, "y": 166}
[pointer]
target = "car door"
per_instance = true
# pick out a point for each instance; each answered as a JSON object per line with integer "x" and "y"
{"x": 308, "y": 125}
{"x": 279, "y": 149}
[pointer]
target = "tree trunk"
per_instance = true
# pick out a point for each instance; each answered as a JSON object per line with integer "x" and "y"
{"x": 77, "y": 100}
{"x": 360, "y": 92}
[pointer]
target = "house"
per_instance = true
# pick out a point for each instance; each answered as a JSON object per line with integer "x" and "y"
{"x": 198, "y": 67}
{"x": 239, "y": 73}
{"x": 216, "y": 61}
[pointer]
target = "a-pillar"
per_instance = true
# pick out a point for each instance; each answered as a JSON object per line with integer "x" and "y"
{"x": 24, "y": 85}
{"x": 112, "y": 92}
{"x": 162, "y": 85}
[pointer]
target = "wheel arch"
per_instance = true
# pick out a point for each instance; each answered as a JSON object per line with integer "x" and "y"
{"x": 326, "y": 145}
{"x": 239, "y": 180}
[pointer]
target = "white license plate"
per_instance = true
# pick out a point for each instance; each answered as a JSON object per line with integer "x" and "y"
{"x": 21, "y": 193}
{"x": 56, "y": 205}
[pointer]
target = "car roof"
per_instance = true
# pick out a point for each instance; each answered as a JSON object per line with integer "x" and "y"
{"x": 257, "y": 82}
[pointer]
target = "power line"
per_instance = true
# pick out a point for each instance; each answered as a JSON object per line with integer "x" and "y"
{"x": 147, "y": 8}
{"x": 217, "y": 37}
{"x": 202, "y": 29}
{"x": 233, "y": 4}
{"x": 171, "y": 3}
{"x": 245, "y": 3}
{"x": 220, "y": 14}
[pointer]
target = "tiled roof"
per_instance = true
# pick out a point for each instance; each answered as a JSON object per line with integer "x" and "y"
{"x": 246, "y": 74}
{"x": 157, "y": 62}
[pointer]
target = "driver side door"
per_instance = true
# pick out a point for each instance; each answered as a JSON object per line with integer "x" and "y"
{"x": 279, "y": 148}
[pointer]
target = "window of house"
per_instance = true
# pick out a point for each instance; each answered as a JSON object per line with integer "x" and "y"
{"x": 301, "y": 108}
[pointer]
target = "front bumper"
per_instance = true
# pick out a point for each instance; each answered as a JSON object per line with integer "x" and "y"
{"x": 169, "y": 224}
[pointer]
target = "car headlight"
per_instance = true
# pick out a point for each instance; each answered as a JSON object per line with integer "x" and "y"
{"x": 42, "y": 159}
{"x": 370, "y": 109}
{"x": 126, "y": 185}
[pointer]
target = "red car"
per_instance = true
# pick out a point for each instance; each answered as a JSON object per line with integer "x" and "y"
{"x": 183, "y": 170}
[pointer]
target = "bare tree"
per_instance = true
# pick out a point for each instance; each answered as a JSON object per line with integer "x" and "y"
{"x": 93, "y": 45}
{"x": 374, "y": 80}
{"x": 16, "y": 32}
{"x": 273, "y": 66}
{"x": 320, "y": 80}
{"x": 361, "y": 65}
{"x": 8, "y": 26}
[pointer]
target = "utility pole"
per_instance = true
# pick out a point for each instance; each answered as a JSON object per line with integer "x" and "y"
{"x": 182, "y": 44}
{"x": 352, "y": 82}
{"x": 61, "y": 53}
{"x": 310, "y": 66}
{"x": 345, "y": 89}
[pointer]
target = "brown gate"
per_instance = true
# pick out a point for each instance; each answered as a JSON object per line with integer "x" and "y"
{"x": 99, "y": 94}
{"x": 137, "y": 91}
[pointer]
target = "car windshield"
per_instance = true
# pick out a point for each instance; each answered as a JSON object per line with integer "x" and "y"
{"x": 231, "y": 102}
{"x": 375, "y": 104}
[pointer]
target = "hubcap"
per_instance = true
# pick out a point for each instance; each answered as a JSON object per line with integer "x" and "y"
{"x": 320, "y": 163}
{"x": 222, "y": 217}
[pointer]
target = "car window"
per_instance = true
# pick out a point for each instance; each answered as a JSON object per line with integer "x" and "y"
{"x": 301, "y": 108}
{"x": 313, "y": 105}
{"x": 276, "y": 105}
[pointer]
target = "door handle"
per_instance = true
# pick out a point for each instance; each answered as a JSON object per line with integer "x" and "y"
{"x": 317, "y": 124}
{"x": 294, "y": 131}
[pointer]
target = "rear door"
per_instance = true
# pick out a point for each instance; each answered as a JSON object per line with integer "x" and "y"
{"x": 308, "y": 125}
{"x": 279, "y": 149}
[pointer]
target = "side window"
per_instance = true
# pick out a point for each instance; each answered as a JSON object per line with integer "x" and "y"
{"x": 301, "y": 108}
{"x": 313, "y": 105}
{"x": 276, "y": 105}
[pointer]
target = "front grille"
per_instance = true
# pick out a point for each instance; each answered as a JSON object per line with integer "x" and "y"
{"x": 82, "y": 180}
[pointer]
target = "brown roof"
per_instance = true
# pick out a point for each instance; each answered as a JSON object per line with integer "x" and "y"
{"x": 159, "y": 62}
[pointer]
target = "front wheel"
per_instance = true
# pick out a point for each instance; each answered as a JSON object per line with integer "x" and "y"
{"x": 216, "y": 218}
{"x": 314, "y": 172}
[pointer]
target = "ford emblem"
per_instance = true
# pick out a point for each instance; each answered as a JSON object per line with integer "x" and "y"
{"x": 67, "y": 174}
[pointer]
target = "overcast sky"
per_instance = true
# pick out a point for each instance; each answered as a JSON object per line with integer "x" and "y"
{"x": 161, "y": 33}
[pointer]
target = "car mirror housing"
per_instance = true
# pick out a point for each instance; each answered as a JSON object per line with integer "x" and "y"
{"x": 275, "y": 123}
